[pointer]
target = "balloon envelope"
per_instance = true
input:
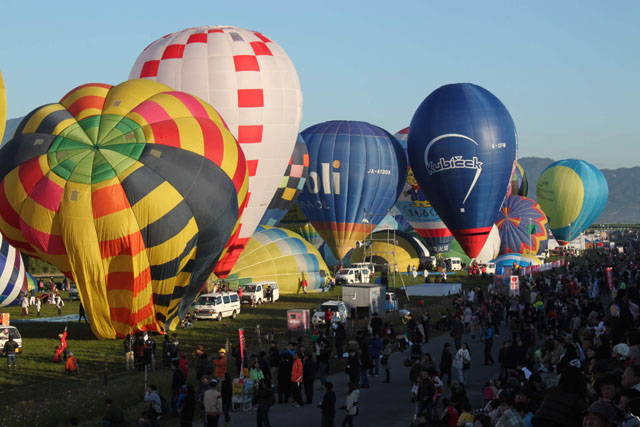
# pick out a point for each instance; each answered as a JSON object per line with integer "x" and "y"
{"x": 3, "y": 107}
{"x": 519, "y": 185}
{"x": 132, "y": 191}
{"x": 274, "y": 254}
{"x": 13, "y": 281}
{"x": 414, "y": 206}
{"x": 290, "y": 186}
{"x": 391, "y": 248}
{"x": 353, "y": 167}
{"x": 491, "y": 247}
{"x": 249, "y": 79}
{"x": 295, "y": 221}
{"x": 522, "y": 260}
{"x": 462, "y": 147}
{"x": 572, "y": 193}
{"x": 523, "y": 226}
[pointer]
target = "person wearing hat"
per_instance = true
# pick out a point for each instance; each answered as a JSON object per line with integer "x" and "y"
{"x": 220, "y": 364}
{"x": 600, "y": 414}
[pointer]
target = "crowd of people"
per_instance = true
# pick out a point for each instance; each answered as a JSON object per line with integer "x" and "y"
{"x": 570, "y": 352}
{"x": 563, "y": 351}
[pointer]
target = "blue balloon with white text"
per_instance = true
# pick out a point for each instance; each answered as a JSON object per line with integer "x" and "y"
{"x": 462, "y": 148}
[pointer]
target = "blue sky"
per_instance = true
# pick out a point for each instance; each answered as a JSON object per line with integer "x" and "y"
{"x": 566, "y": 70}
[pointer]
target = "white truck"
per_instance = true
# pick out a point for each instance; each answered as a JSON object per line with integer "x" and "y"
{"x": 339, "y": 309}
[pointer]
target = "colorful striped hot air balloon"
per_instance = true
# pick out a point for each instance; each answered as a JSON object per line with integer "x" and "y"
{"x": 132, "y": 191}
{"x": 252, "y": 83}
{"x": 275, "y": 254}
{"x": 523, "y": 226}
{"x": 13, "y": 282}
{"x": 519, "y": 185}
{"x": 572, "y": 193}
{"x": 415, "y": 207}
{"x": 290, "y": 186}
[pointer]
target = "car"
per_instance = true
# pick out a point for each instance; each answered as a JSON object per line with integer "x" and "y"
{"x": 489, "y": 268}
{"x": 74, "y": 295}
{"x": 217, "y": 306}
{"x": 340, "y": 313}
{"x": 353, "y": 275}
{"x": 7, "y": 331}
{"x": 259, "y": 292}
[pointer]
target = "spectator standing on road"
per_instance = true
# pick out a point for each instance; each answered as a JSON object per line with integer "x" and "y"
{"x": 328, "y": 405}
{"x": 462, "y": 358}
{"x": 351, "y": 405}
{"x": 212, "y": 401}
{"x": 220, "y": 364}
{"x": 308, "y": 376}
{"x": 296, "y": 380}
{"x": 446, "y": 359}
{"x": 264, "y": 402}
{"x": 488, "y": 343}
{"x": 385, "y": 361}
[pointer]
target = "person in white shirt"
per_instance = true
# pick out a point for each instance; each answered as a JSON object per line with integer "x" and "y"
{"x": 461, "y": 358}
{"x": 351, "y": 406}
{"x": 152, "y": 396}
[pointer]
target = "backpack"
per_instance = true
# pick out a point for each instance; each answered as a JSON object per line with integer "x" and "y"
{"x": 164, "y": 405}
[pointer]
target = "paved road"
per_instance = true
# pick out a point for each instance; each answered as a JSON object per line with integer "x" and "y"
{"x": 382, "y": 404}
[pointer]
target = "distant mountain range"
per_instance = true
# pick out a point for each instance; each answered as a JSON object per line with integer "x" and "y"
{"x": 623, "y": 206}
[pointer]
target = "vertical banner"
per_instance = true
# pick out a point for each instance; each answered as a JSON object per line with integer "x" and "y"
{"x": 514, "y": 286}
{"x": 241, "y": 337}
{"x": 610, "y": 277}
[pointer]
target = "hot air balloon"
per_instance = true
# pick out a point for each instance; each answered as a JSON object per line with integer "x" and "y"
{"x": 3, "y": 106}
{"x": 13, "y": 282}
{"x": 391, "y": 248}
{"x": 355, "y": 170}
{"x": 132, "y": 191}
{"x": 523, "y": 226}
{"x": 275, "y": 254}
{"x": 414, "y": 206}
{"x": 392, "y": 222}
{"x": 462, "y": 147}
{"x": 491, "y": 247}
{"x": 521, "y": 260}
{"x": 519, "y": 186}
{"x": 572, "y": 193}
{"x": 249, "y": 79}
{"x": 290, "y": 186}
{"x": 295, "y": 221}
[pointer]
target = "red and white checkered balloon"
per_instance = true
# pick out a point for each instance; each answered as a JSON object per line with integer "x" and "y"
{"x": 252, "y": 83}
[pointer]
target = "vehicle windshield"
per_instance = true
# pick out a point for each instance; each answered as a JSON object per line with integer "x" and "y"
{"x": 345, "y": 272}
{"x": 5, "y": 333}
{"x": 249, "y": 288}
{"x": 206, "y": 301}
{"x": 327, "y": 306}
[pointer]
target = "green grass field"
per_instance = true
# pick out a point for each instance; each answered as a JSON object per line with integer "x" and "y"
{"x": 40, "y": 393}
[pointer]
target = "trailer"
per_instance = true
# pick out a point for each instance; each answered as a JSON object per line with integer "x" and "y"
{"x": 364, "y": 299}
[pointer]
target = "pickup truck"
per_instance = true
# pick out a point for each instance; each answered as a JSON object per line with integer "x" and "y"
{"x": 339, "y": 309}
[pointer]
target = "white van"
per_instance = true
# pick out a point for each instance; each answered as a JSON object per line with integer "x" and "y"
{"x": 489, "y": 268}
{"x": 353, "y": 275}
{"x": 217, "y": 305}
{"x": 259, "y": 291}
{"x": 454, "y": 263}
{"x": 10, "y": 331}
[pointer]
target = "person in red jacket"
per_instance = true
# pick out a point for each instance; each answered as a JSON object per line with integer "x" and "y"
{"x": 296, "y": 380}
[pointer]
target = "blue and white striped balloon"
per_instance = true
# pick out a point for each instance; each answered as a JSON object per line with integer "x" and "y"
{"x": 13, "y": 279}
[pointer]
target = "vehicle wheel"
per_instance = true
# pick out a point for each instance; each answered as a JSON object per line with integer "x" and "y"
{"x": 219, "y": 317}
{"x": 259, "y": 301}
{"x": 234, "y": 314}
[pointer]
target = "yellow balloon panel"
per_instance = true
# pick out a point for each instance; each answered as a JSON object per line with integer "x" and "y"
{"x": 275, "y": 254}
{"x": 560, "y": 194}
